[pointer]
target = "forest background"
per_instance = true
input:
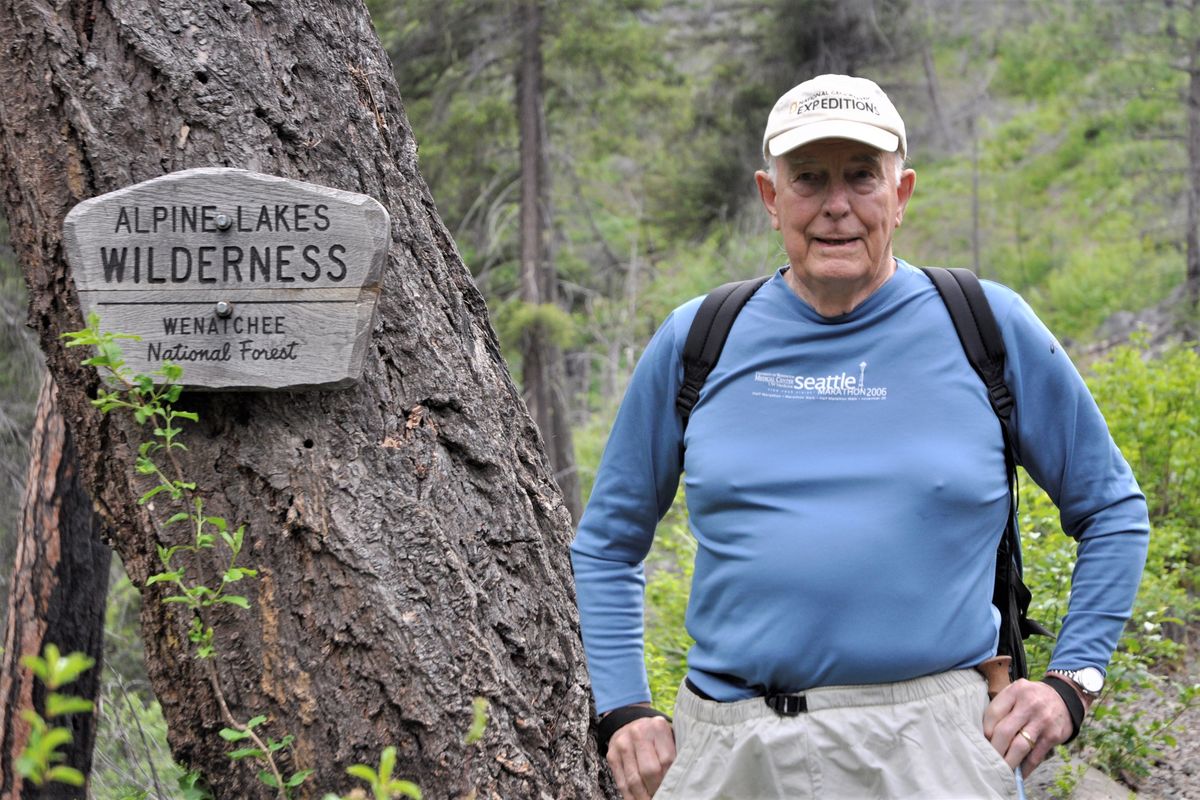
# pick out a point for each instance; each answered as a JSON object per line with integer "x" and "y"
{"x": 1057, "y": 147}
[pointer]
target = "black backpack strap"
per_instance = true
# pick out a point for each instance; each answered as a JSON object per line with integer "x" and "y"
{"x": 980, "y": 336}
{"x": 706, "y": 338}
{"x": 984, "y": 345}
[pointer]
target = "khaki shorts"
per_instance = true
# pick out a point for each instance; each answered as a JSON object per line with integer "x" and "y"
{"x": 921, "y": 739}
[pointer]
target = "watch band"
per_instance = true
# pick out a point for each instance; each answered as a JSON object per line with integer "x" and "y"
{"x": 618, "y": 718}
{"x": 1074, "y": 705}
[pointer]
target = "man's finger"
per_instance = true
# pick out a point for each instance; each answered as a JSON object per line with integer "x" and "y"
{"x": 622, "y": 760}
{"x": 999, "y": 707}
{"x": 1020, "y": 747}
{"x": 639, "y": 755}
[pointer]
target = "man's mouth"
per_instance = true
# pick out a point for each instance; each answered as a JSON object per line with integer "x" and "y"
{"x": 835, "y": 241}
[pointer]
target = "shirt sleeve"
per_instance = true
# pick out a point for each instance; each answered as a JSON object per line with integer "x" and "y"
{"x": 635, "y": 485}
{"x": 1064, "y": 444}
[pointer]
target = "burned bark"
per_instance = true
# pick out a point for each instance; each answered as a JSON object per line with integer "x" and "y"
{"x": 411, "y": 543}
{"x": 56, "y": 596}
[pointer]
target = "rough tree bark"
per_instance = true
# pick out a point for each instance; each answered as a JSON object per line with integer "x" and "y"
{"x": 59, "y": 583}
{"x": 542, "y": 367}
{"x": 411, "y": 542}
{"x": 1192, "y": 276}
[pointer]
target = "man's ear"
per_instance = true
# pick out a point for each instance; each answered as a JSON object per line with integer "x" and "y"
{"x": 766, "y": 190}
{"x": 904, "y": 192}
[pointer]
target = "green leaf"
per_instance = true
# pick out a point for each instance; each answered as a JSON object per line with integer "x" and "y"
{"x": 362, "y": 772}
{"x": 298, "y": 778}
{"x": 192, "y": 415}
{"x": 217, "y": 522}
{"x": 173, "y": 393}
{"x": 162, "y": 487}
{"x": 145, "y": 466}
{"x": 37, "y": 666}
{"x": 54, "y": 739}
{"x": 68, "y": 775}
{"x": 234, "y": 600}
{"x": 59, "y": 704}
{"x": 233, "y": 735}
{"x": 254, "y": 722}
{"x": 172, "y": 372}
{"x": 65, "y": 669}
{"x": 275, "y": 747}
{"x": 245, "y": 752}
{"x": 268, "y": 779}
{"x": 406, "y": 788}
{"x": 27, "y": 765}
{"x": 387, "y": 763}
{"x": 162, "y": 577}
{"x": 180, "y": 517}
{"x": 178, "y": 598}
{"x": 479, "y": 721}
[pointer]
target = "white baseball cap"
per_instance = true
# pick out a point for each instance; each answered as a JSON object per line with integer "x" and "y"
{"x": 834, "y": 107}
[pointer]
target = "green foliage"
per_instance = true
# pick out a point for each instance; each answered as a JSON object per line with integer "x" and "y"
{"x": 514, "y": 319}
{"x": 669, "y": 566}
{"x": 131, "y": 759}
{"x": 479, "y": 720}
{"x": 1124, "y": 738}
{"x": 150, "y": 401}
{"x": 40, "y": 760}
{"x": 1153, "y": 412}
{"x": 383, "y": 786}
{"x": 1154, "y": 415}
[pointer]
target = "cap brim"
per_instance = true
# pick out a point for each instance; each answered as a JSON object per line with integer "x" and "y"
{"x": 836, "y": 129}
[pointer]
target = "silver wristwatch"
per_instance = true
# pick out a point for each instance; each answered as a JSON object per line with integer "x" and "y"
{"x": 1089, "y": 680}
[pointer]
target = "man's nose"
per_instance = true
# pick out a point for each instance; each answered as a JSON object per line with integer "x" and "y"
{"x": 837, "y": 199}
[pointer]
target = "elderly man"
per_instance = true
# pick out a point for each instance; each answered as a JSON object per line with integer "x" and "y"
{"x": 846, "y": 535}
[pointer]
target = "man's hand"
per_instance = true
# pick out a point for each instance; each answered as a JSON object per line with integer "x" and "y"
{"x": 639, "y": 755}
{"x": 1025, "y": 722}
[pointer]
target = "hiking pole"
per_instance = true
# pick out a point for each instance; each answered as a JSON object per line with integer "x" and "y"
{"x": 1020, "y": 785}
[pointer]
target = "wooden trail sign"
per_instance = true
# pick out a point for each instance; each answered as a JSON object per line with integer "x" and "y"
{"x": 245, "y": 280}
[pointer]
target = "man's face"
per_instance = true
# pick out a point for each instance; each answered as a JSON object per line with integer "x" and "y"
{"x": 836, "y": 202}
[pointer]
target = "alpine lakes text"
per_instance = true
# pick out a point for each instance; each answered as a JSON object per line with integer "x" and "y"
{"x": 223, "y": 263}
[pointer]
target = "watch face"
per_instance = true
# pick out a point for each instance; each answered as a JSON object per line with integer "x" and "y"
{"x": 1090, "y": 679}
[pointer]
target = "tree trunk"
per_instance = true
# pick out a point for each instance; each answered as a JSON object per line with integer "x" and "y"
{"x": 59, "y": 584}
{"x": 542, "y": 368}
{"x": 1192, "y": 278}
{"x": 411, "y": 543}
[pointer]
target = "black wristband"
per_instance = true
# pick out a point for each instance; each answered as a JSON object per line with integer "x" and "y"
{"x": 618, "y": 718}
{"x": 1074, "y": 705}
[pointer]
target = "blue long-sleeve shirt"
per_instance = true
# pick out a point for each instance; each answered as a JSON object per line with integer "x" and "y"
{"x": 846, "y": 486}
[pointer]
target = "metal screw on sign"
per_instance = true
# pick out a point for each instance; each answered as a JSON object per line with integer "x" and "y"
{"x": 224, "y": 309}
{"x": 223, "y": 222}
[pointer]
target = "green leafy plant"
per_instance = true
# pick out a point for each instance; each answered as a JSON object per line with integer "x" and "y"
{"x": 479, "y": 720}
{"x": 383, "y": 785}
{"x": 151, "y": 399}
{"x": 40, "y": 760}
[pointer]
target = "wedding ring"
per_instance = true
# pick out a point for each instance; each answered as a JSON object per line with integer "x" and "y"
{"x": 1032, "y": 741}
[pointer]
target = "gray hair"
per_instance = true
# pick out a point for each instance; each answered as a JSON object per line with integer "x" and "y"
{"x": 897, "y": 159}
